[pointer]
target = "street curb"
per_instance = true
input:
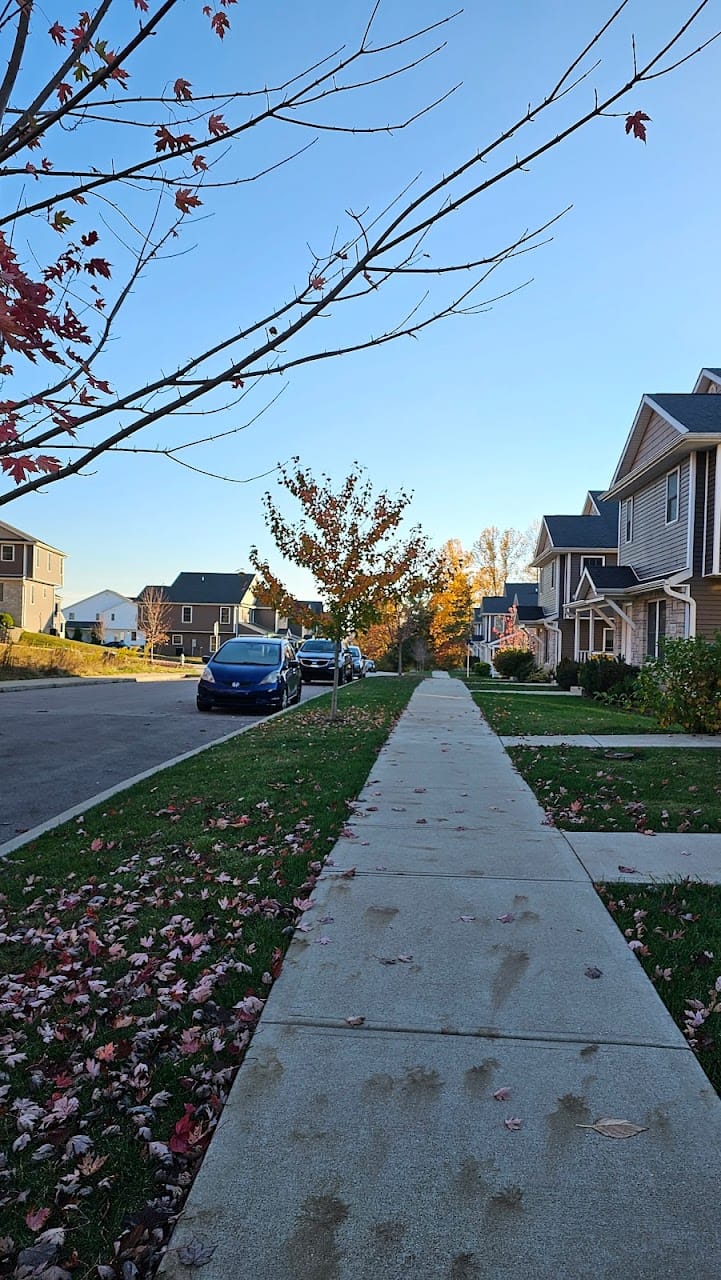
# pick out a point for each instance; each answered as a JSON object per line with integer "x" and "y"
{"x": 28, "y": 836}
{"x": 22, "y": 686}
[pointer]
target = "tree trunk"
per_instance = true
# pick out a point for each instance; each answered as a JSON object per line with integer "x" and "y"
{"x": 334, "y": 695}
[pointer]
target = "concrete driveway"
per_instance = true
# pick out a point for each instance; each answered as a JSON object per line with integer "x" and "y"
{"x": 60, "y": 747}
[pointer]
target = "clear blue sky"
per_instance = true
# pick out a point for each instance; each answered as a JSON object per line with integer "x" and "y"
{"x": 492, "y": 419}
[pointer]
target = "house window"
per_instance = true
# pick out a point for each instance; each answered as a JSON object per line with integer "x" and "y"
{"x": 2, "y": 589}
{"x": 112, "y": 617}
{"x": 133, "y": 635}
{"x": 187, "y": 613}
{"x": 224, "y": 615}
{"x": 672, "y": 496}
{"x": 655, "y": 628}
{"x": 32, "y": 595}
{"x": 50, "y": 561}
{"x": 177, "y": 640}
{"x": 97, "y": 617}
{"x": 212, "y": 644}
{"x": 71, "y": 616}
{"x": 590, "y": 561}
{"x": 553, "y": 573}
{"x": 7, "y": 551}
{"x": 608, "y": 634}
{"x": 628, "y": 519}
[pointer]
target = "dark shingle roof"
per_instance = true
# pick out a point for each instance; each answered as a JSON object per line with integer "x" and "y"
{"x": 494, "y": 604}
{"x": 611, "y": 576}
{"x": 527, "y": 592}
{"x": 697, "y": 413}
{"x": 206, "y": 588}
{"x": 585, "y": 531}
{"x": 529, "y": 612}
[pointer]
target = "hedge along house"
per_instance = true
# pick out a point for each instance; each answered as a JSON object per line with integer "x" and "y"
{"x": 30, "y": 573}
{"x": 566, "y": 546}
{"x": 668, "y": 486}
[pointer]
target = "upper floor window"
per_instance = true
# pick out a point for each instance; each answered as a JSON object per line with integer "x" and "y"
{"x": 628, "y": 520}
{"x": 553, "y": 573}
{"x": 7, "y": 551}
{"x": 590, "y": 561}
{"x": 224, "y": 614}
{"x": 187, "y": 613}
{"x": 50, "y": 561}
{"x": 672, "y": 484}
{"x": 71, "y": 615}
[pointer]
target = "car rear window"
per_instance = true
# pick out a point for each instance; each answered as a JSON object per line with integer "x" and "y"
{"x": 249, "y": 653}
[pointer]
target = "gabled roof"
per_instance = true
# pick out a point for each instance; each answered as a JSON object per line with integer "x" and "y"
{"x": 706, "y": 377}
{"x": 10, "y": 533}
{"x": 691, "y": 418}
{"x": 529, "y": 612}
{"x": 579, "y": 533}
{"x": 206, "y": 588}
{"x": 611, "y": 577}
{"x": 525, "y": 593}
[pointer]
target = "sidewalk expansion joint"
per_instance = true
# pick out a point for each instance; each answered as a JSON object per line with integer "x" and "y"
{"x": 473, "y": 1033}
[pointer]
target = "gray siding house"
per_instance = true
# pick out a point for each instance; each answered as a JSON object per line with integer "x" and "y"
{"x": 566, "y": 546}
{"x": 489, "y": 618}
{"x": 667, "y": 581}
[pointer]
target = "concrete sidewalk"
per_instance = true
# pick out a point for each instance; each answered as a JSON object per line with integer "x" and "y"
{"x": 473, "y": 951}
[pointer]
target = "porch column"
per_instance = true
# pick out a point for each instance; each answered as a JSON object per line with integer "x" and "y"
{"x": 576, "y": 633}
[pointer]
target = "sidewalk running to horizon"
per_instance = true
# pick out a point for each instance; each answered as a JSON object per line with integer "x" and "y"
{"x": 456, "y": 1012}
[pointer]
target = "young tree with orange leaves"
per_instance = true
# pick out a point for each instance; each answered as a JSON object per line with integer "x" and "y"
{"x": 345, "y": 538}
{"x": 452, "y": 606}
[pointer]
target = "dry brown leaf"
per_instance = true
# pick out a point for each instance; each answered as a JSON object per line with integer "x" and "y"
{"x": 615, "y": 1128}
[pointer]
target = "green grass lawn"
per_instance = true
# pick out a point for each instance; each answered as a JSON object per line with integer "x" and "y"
{"x": 527, "y": 713}
{"x": 660, "y": 789}
{"x": 675, "y": 931}
{"x": 138, "y": 944}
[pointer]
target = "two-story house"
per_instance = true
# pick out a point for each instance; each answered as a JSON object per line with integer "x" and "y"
{"x": 565, "y": 548}
{"x": 107, "y": 614}
{"x": 668, "y": 483}
{"x": 489, "y": 618}
{"x": 206, "y": 608}
{"x": 30, "y": 573}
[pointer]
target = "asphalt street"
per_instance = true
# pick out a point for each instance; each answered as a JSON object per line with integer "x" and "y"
{"x": 60, "y": 747}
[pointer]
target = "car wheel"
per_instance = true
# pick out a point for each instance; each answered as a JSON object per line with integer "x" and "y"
{"x": 297, "y": 697}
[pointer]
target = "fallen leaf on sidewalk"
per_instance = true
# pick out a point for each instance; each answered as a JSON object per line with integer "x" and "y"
{"x": 405, "y": 959}
{"x": 629, "y": 871}
{"x": 513, "y": 1123}
{"x": 355, "y": 1021}
{"x": 196, "y": 1254}
{"x": 418, "y": 790}
{"x": 322, "y": 942}
{"x": 466, "y": 919}
{"x": 593, "y": 972}
{"x": 508, "y": 918}
{"x": 348, "y": 875}
{"x": 502, "y": 1094}
{"x": 615, "y": 1128}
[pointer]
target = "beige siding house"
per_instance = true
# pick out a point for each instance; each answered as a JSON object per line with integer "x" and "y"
{"x": 30, "y": 573}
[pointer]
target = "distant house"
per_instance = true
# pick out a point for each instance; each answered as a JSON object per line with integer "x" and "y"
{"x": 566, "y": 546}
{"x": 667, "y": 581}
{"x": 206, "y": 608}
{"x": 30, "y": 573}
{"x": 489, "y": 618}
{"x": 112, "y": 616}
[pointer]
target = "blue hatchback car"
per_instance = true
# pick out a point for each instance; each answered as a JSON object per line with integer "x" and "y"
{"x": 246, "y": 671}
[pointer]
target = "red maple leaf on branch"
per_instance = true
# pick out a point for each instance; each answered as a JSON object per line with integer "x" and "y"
{"x": 216, "y": 125}
{"x": 57, "y": 33}
{"x": 182, "y": 90}
{"x": 636, "y": 124}
{"x": 185, "y": 200}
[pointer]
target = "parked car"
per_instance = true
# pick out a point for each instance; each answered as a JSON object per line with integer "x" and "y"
{"x": 359, "y": 662}
{"x": 246, "y": 671}
{"x": 370, "y": 665}
{"x": 317, "y": 661}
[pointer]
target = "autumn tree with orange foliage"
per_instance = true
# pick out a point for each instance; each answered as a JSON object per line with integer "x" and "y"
{"x": 452, "y": 606}
{"x": 346, "y": 539}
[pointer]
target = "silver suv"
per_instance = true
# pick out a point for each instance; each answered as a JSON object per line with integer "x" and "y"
{"x": 317, "y": 661}
{"x": 359, "y": 662}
